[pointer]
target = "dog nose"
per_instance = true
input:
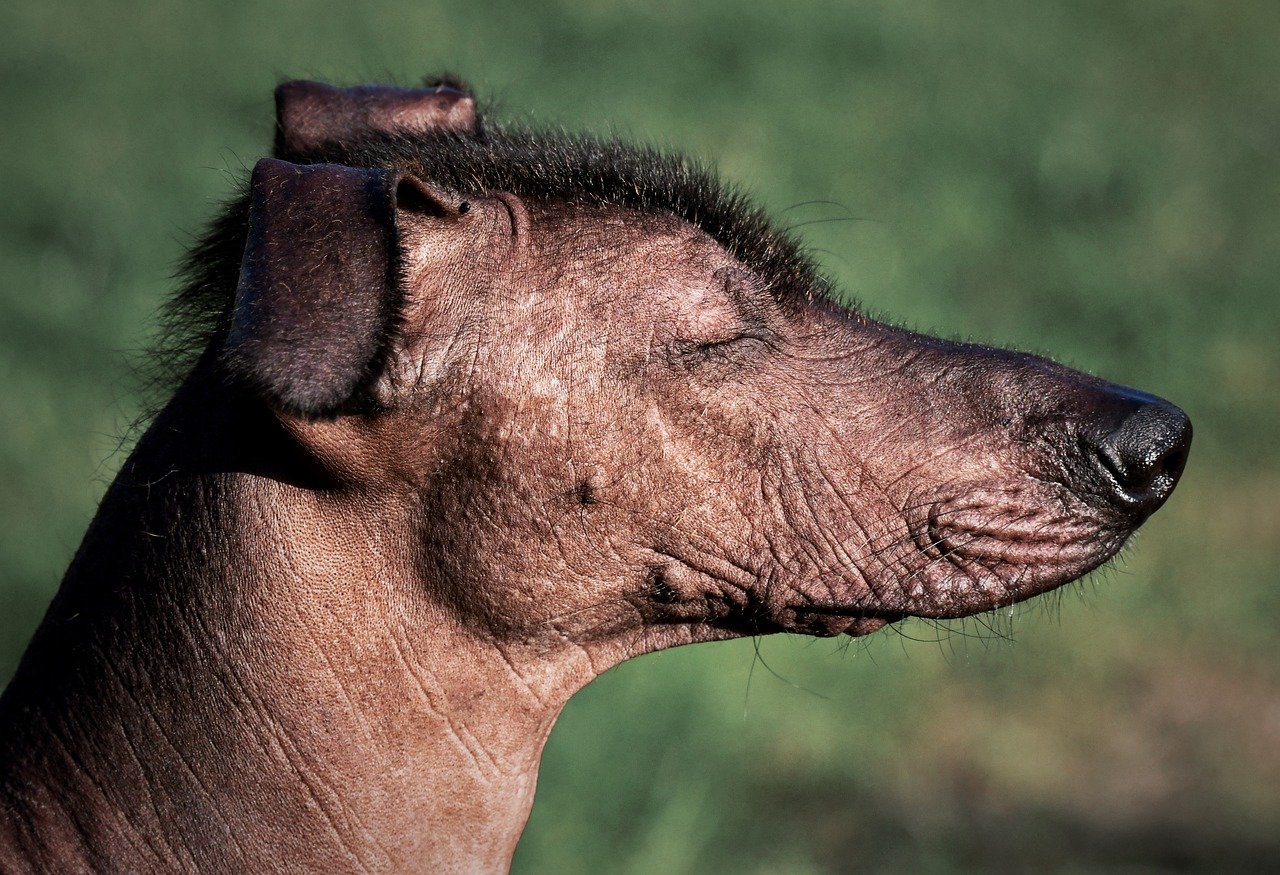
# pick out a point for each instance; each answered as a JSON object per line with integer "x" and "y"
{"x": 1142, "y": 454}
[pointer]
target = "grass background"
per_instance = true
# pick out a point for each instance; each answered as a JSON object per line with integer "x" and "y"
{"x": 1095, "y": 180}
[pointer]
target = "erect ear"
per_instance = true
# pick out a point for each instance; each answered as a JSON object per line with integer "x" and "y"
{"x": 320, "y": 294}
{"x": 311, "y": 114}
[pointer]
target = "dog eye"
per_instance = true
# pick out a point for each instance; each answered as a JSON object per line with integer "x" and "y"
{"x": 737, "y": 349}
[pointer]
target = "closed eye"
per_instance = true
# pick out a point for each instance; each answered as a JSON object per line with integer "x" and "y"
{"x": 752, "y": 336}
{"x": 737, "y": 332}
{"x": 736, "y": 349}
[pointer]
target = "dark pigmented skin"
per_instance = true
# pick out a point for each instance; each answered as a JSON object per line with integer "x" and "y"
{"x": 475, "y": 416}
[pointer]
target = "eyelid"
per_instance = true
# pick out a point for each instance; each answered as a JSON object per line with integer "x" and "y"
{"x": 760, "y": 333}
{"x": 750, "y": 341}
{"x": 749, "y": 329}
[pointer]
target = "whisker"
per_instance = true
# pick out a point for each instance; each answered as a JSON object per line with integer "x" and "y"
{"x": 819, "y": 202}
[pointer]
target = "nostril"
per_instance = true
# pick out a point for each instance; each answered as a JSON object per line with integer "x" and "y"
{"x": 1111, "y": 462}
{"x": 1143, "y": 455}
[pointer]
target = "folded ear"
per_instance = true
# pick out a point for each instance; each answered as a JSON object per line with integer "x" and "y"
{"x": 320, "y": 294}
{"x": 311, "y": 114}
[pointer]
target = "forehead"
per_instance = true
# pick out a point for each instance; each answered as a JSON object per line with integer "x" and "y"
{"x": 614, "y": 270}
{"x": 620, "y": 244}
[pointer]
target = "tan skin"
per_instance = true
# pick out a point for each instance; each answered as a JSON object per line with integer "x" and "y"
{"x": 339, "y": 643}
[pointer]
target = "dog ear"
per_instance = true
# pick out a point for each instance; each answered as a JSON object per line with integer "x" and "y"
{"x": 312, "y": 114}
{"x": 320, "y": 292}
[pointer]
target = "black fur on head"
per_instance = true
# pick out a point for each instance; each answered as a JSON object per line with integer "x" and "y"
{"x": 552, "y": 166}
{"x": 540, "y": 165}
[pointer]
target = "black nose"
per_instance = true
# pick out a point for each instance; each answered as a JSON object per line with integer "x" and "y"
{"x": 1141, "y": 455}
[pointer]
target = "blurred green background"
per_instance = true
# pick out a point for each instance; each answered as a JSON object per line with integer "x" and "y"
{"x": 1094, "y": 180}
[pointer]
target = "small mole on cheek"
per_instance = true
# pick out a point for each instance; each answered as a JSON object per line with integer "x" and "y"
{"x": 464, "y": 208}
{"x": 659, "y": 587}
{"x": 586, "y": 493}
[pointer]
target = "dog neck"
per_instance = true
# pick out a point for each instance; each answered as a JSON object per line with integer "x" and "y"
{"x": 211, "y": 689}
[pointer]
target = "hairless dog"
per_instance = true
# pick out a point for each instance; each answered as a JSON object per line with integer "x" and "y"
{"x": 473, "y": 413}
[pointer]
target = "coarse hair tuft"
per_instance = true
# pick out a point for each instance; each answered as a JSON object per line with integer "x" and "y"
{"x": 540, "y": 165}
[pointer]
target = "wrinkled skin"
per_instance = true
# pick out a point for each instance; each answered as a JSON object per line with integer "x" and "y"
{"x": 332, "y": 605}
{"x": 740, "y": 465}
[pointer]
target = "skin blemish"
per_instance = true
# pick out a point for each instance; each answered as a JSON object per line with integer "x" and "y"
{"x": 659, "y": 587}
{"x": 464, "y": 208}
{"x": 585, "y": 493}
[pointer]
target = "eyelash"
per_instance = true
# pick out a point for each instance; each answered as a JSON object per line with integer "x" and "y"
{"x": 730, "y": 348}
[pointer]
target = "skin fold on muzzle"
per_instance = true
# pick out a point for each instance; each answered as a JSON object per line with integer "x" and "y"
{"x": 994, "y": 476}
{"x": 468, "y": 414}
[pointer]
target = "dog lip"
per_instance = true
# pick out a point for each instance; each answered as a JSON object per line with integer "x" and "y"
{"x": 860, "y": 621}
{"x": 867, "y": 625}
{"x": 850, "y": 612}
